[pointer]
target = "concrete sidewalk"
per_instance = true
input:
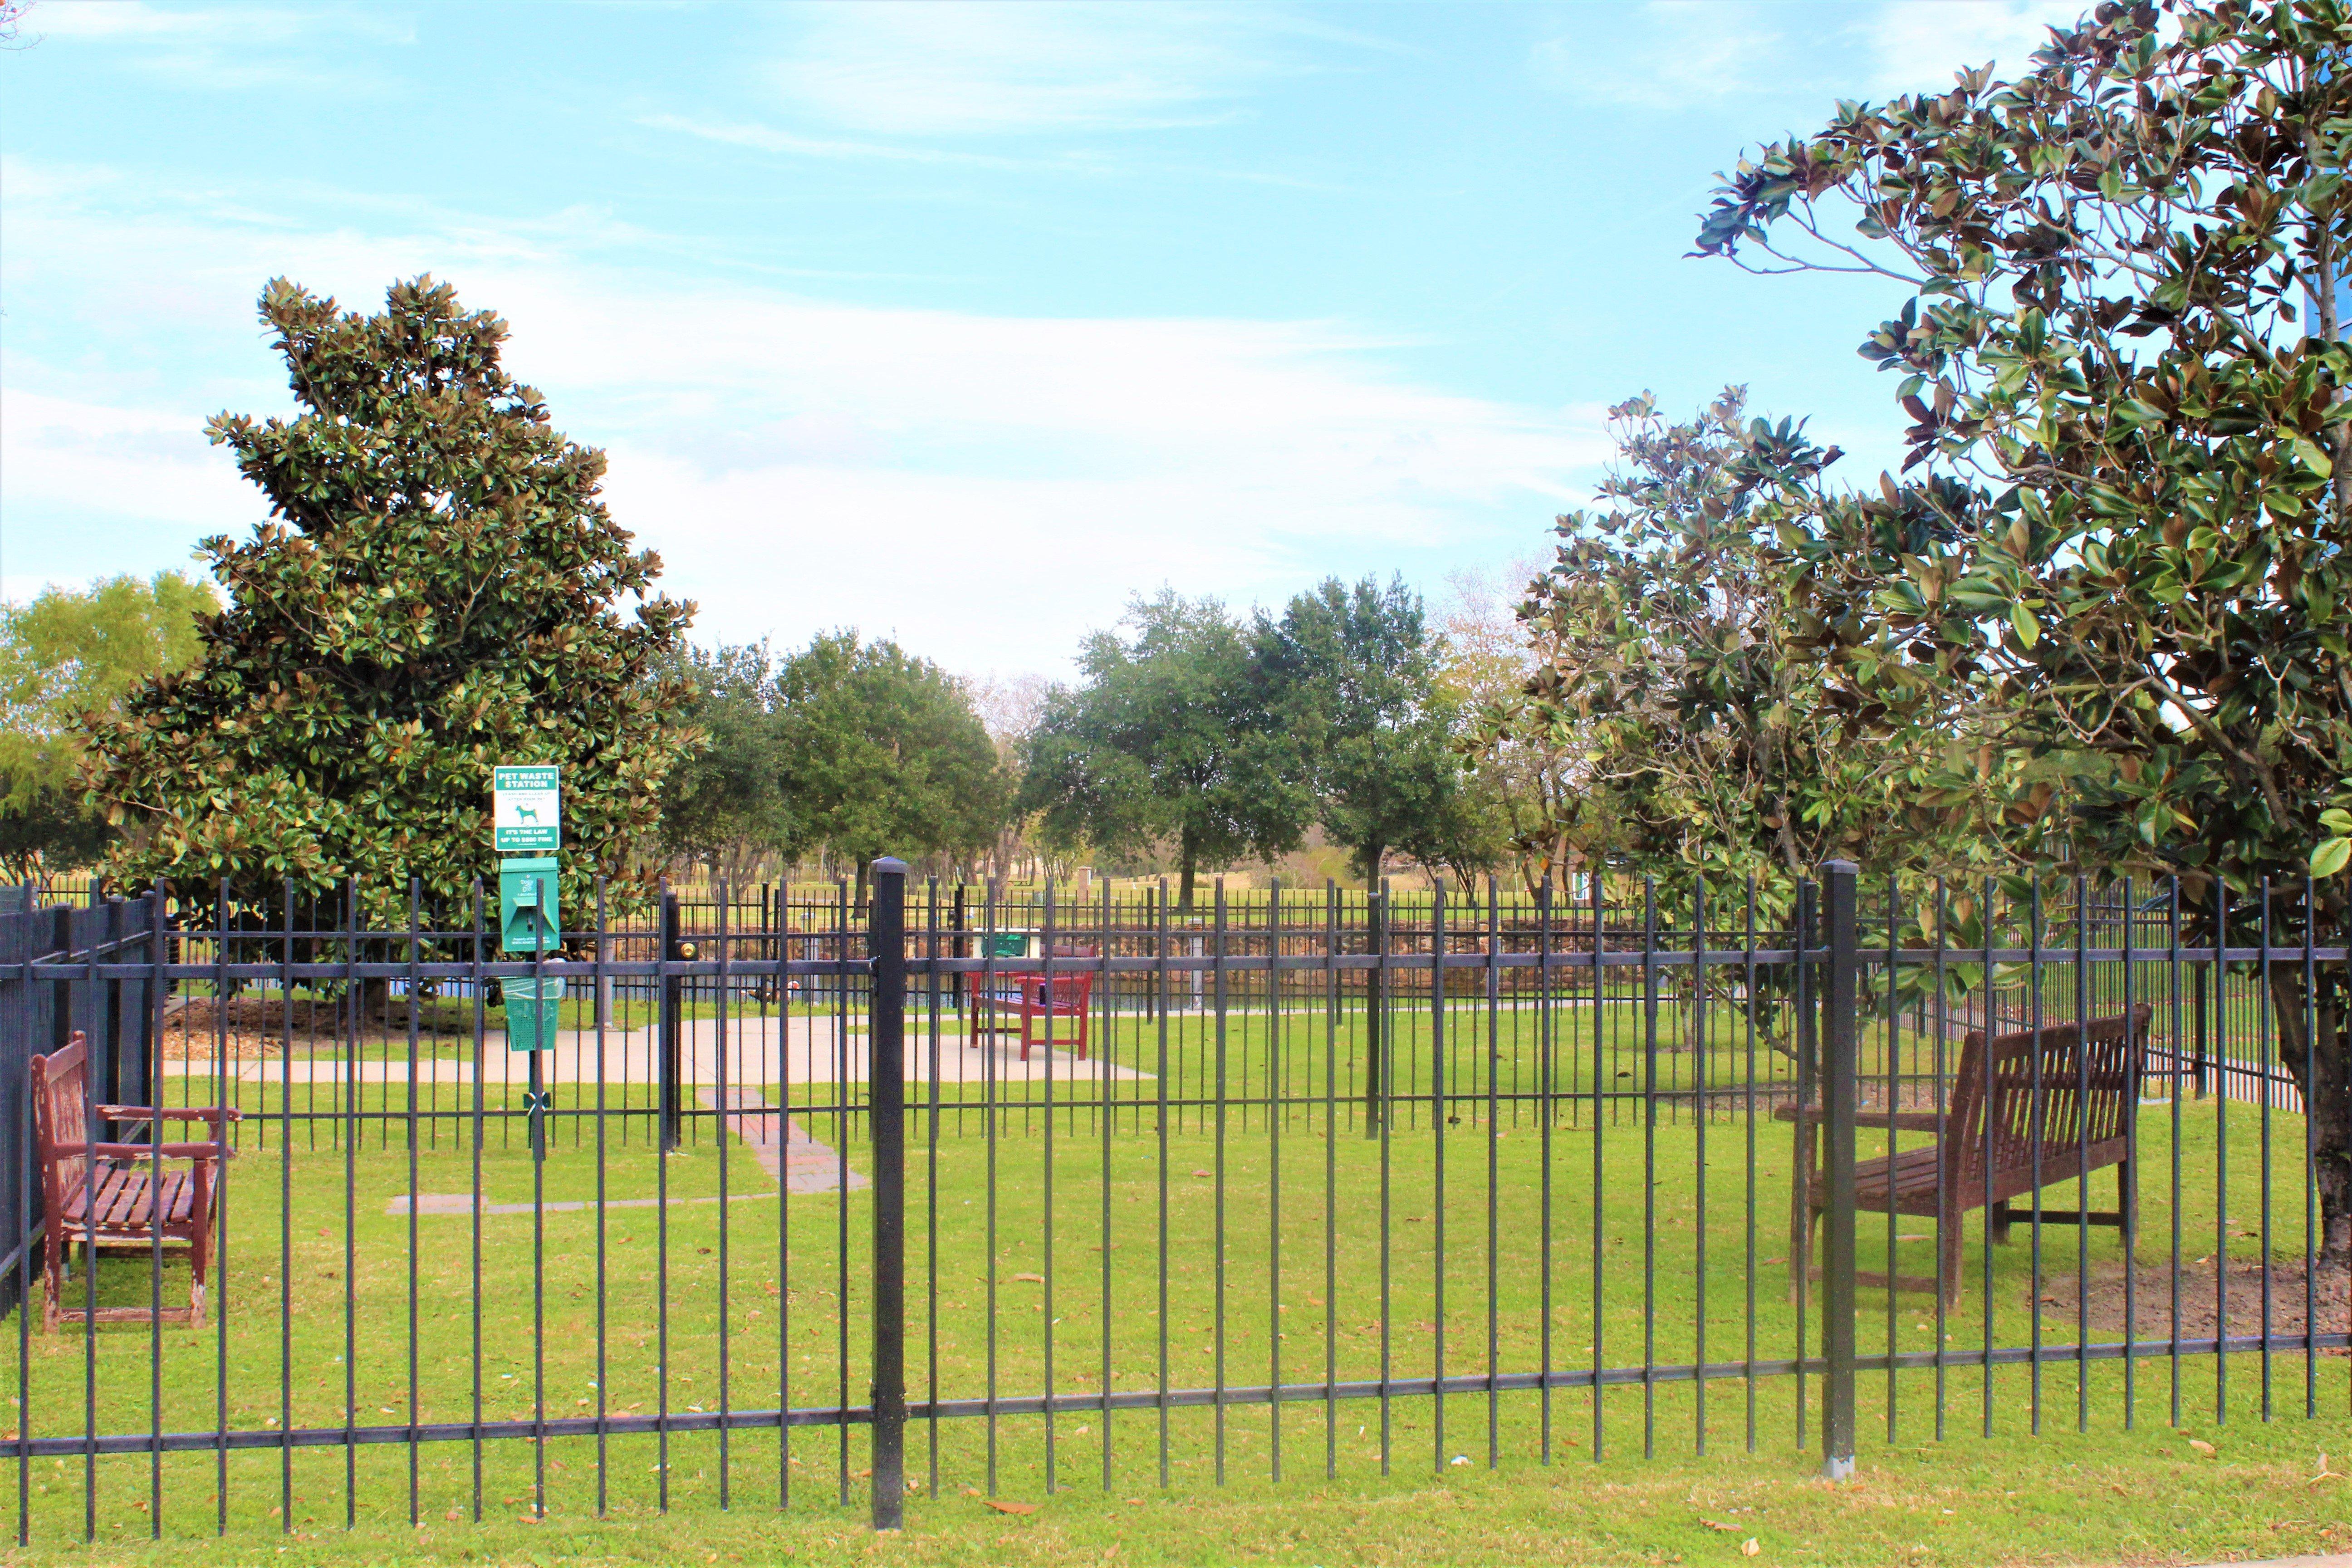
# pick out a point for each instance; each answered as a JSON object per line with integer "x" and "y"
{"x": 753, "y": 1050}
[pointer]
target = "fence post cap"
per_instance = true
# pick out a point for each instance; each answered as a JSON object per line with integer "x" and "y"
{"x": 889, "y": 865}
{"x": 1840, "y": 868}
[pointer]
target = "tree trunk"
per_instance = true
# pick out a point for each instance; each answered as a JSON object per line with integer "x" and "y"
{"x": 1189, "y": 860}
{"x": 2322, "y": 1070}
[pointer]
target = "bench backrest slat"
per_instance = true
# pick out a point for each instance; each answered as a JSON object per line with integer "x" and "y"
{"x": 61, "y": 1117}
{"x": 2065, "y": 1089}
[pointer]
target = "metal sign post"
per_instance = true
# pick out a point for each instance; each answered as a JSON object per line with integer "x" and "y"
{"x": 527, "y": 829}
{"x": 535, "y": 1029}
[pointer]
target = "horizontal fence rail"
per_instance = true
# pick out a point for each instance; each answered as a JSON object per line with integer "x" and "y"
{"x": 1040, "y": 1191}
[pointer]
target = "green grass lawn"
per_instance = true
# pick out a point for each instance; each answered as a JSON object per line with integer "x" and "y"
{"x": 2108, "y": 1498}
{"x": 1605, "y": 1236}
{"x": 1309, "y": 1272}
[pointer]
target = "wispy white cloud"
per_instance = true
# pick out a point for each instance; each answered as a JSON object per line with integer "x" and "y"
{"x": 1080, "y": 161}
{"x": 985, "y": 486}
{"x": 769, "y": 139}
{"x": 221, "y": 48}
{"x": 154, "y": 462}
{"x": 1915, "y": 46}
{"x": 995, "y": 68}
{"x": 1688, "y": 51}
{"x": 132, "y": 20}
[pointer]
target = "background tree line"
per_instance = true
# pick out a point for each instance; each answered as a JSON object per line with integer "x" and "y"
{"x": 1194, "y": 738}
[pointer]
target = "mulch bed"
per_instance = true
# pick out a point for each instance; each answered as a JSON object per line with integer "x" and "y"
{"x": 259, "y": 1030}
{"x": 2201, "y": 1308}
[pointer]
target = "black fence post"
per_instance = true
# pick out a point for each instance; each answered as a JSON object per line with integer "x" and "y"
{"x": 1840, "y": 1073}
{"x": 62, "y": 1015}
{"x": 672, "y": 993}
{"x": 1376, "y": 1004}
{"x": 1807, "y": 935}
{"x": 958, "y": 949}
{"x": 885, "y": 1081}
{"x": 107, "y": 1047}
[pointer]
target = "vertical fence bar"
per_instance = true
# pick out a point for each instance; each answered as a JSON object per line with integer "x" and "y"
{"x": 673, "y": 997}
{"x": 885, "y": 938}
{"x": 1548, "y": 1087}
{"x": 415, "y": 1003}
{"x": 158, "y": 954}
{"x": 286, "y": 1238}
{"x": 354, "y": 1010}
{"x": 53, "y": 1237}
{"x": 223, "y": 1078}
{"x": 1840, "y": 1064}
{"x": 1376, "y": 978}
{"x": 1806, "y": 917}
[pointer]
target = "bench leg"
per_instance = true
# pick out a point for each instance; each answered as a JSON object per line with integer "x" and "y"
{"x": 1997, "y": 1224}
{"x": 199, "y": 1254}
{"x": 1950, "y": 1231}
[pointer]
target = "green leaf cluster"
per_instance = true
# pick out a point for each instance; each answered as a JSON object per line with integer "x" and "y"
{"x": 438, "y": 589}
{"x": 1673, "y": 673}
{"x": 1166, "y": 738}
{"x": 854, "y": 748}
{"x": 65, "y": 656}
{"x": 1353, "y": 678}
{"x": 1227, "y": 738}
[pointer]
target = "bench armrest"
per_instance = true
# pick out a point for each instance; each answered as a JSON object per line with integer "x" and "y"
{"x": 1897, "y": 1120}
{"x": 146, "y": 1150}
{"x": 171, "y": 1113}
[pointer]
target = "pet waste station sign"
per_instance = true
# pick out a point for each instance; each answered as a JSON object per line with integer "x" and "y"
{"x": 525, "y": 811}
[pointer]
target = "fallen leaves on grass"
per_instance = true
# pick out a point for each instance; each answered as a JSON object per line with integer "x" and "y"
{"x": 2202, "y": 1446}
{"x": 1003, "y": 1505}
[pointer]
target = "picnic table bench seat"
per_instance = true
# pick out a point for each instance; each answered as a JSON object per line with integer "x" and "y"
{"x": 1029, "y": 995}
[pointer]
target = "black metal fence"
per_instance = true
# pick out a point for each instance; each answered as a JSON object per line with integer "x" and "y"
{"x": 1123, "y": 1193}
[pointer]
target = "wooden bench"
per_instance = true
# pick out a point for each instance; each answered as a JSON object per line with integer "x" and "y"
{"x": 112, "y": 1195}
{"x": 2069, "y": 1116}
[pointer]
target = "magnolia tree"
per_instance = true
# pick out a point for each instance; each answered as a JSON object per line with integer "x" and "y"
{"x": 437, "y": 590}
{"x": 1709, "y": 751}
{"x": 1709, "y": 744}
{"x": 2119, "y": 558}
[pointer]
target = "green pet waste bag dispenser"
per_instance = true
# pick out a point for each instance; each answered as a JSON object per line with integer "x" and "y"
{"x": 529, "y": 923}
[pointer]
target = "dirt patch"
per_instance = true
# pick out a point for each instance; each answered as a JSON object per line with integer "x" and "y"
{"x": 2200, "y": 1288}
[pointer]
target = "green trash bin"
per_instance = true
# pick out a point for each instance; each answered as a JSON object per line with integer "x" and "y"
{"x": 534, "y": 1007}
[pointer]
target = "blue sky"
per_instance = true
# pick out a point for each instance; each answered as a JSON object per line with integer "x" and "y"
{"x": 959, "y": 324}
